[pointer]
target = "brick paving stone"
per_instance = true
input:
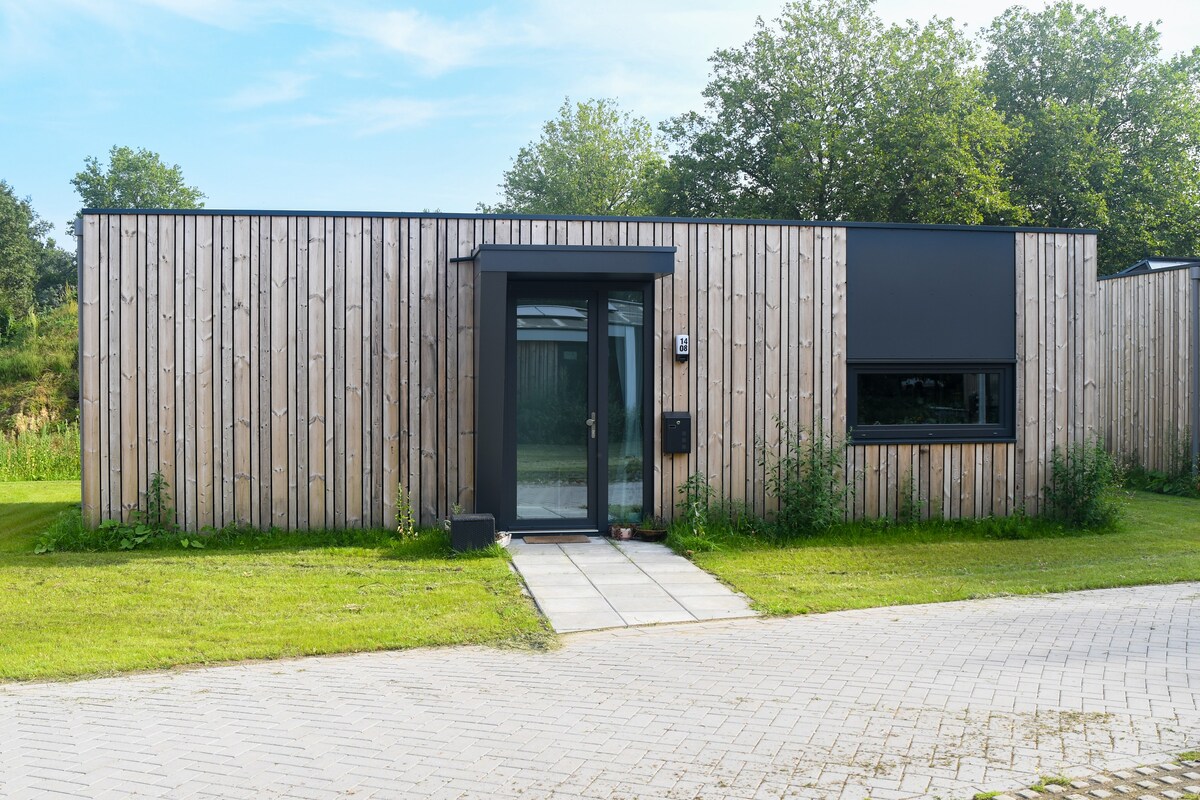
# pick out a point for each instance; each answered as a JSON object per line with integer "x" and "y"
{"x": 927, "y": 701}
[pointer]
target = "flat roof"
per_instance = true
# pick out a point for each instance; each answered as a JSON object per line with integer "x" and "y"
{"x": 578, "y": 218}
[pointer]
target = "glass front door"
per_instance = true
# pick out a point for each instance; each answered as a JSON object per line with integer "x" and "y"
{"x": 579, "y": 405}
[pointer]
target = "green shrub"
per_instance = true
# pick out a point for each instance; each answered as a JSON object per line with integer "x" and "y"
{"x": 1179, "y": 478}
{"x": 1084, "y": 486}
{"x": 49, "y": 453}
{"x": 807, "y": 476}
{"x": 706, "y": 520}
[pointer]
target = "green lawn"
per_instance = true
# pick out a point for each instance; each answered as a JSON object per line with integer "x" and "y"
{"x": 1159, "y": 542}
{"x": 74, "y": 614}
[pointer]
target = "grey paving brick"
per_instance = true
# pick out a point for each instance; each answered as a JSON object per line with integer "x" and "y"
{"x": 924, "y": 701}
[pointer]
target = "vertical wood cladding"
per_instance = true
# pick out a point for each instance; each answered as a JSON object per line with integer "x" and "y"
{"x": 1145, "y": 353}
{"x": 291, "y": 370}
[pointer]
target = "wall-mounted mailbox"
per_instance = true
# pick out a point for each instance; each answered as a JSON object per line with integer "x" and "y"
{"x": 677, "y": 432}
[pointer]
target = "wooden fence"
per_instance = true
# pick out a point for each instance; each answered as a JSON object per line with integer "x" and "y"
{"x": 1147, "y": 366}
{"x": 292, "y": 371}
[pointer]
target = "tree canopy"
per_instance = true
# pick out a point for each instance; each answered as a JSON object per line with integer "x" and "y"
{"x": 593, "y": 158}
{"x": 1109, "y": 132}
{"x": 1069, "y": 117}
{"x": 829, "y": 114}
{"x": 134, "y": 179}
{"x": 33, "y": 269}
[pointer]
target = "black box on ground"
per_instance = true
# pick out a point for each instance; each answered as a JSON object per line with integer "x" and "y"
{"x": 472, "y": 531}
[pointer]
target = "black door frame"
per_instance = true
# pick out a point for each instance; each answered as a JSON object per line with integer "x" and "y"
{"x": 496, "y": 268}
{"x": 596, "y": 293}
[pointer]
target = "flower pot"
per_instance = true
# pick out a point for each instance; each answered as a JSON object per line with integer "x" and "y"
{"x": 650, "y": 534}
{"x": 620, "y": 532}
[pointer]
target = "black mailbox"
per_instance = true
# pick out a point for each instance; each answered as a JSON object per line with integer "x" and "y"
{"x": 677, "y": 432}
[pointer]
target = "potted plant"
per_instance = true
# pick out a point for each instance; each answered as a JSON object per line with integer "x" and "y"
{"x": 621, "y": 531}
{"x": 651, "y": 529}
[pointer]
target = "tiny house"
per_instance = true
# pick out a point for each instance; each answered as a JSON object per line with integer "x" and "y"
{"x": 296, "y": 369}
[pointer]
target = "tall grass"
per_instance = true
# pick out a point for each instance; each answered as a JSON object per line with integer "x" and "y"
{"x": 49, "y": 453}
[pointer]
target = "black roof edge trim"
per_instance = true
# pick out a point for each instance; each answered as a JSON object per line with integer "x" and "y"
{"x": 567, "y": 248}
{"x": 1140, "y": 268}
{"x": 217, "y": 212}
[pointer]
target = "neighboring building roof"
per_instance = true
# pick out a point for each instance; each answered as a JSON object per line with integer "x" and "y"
{"x": 1156, "y": 264}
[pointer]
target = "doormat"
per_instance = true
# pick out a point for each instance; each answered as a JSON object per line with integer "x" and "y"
{"x": 557, "y": 538}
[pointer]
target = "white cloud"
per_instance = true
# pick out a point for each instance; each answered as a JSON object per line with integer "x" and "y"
{"x": 276, "y": 88}
{"x": 434, "y": 45}
{"x": 373, "y": 116}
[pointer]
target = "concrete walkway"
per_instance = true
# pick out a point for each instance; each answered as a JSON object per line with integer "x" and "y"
{"x": 605, "y": 584}
{"x": 890, "y": 703}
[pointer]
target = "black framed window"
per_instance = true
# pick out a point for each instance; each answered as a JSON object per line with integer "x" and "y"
{"x": 915, "y": 402}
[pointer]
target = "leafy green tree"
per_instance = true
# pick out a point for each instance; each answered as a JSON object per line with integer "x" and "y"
{"x": 134, "y": 179}
{"x": 18, "y": 256}
{"x": 1110, "y": 132}
{"x": 828, "y": 114}
{"x": 592, "y": 158}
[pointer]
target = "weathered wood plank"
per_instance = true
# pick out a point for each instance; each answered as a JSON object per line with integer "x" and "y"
{"x": 243, "y": 375}
{"x": 298, "y": 287}
{"x": 390, "y": 347}
{"x": 428, "y": 357}
{"x": 90, "y": 272}
{"x": 740, "y": 452}
{"x": 228, "y": 414}
{"x": 318, "y": 473}
{"x": 354, "y": 372}
{"x": 280, "y": 401}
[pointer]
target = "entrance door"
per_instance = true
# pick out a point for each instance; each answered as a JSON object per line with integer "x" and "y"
{"x": 578, "y": 397}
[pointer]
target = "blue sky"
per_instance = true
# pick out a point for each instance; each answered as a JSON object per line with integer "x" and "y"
{"x": 360, "y": 104}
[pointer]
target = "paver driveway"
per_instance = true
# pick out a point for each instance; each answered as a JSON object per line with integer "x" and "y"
{"x": 921, "y": 701}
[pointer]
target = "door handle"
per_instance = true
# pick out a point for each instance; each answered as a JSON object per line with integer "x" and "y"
{"x": 591, "y": 423}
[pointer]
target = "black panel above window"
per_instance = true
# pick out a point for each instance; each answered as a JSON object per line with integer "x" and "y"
{"x": 930, "y": 295}
{"x": 931, "y": 402}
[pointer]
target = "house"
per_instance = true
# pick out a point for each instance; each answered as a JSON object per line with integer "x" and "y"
{"x": 295, "y": 369}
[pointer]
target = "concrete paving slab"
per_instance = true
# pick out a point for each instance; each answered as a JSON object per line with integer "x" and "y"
{"x": 577, "y": 584}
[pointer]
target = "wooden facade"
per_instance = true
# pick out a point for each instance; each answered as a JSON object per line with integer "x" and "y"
{"x": 293, "y": 370}
{"x": 1146, "y": 329}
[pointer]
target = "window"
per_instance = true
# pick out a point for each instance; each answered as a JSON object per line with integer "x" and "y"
{"x": 920, "y": 402}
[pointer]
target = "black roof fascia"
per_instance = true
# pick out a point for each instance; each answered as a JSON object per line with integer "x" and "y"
{"x": 1143, "y": 267}
{"x": 581, "y": 218}
{"x": 608, "y": 260}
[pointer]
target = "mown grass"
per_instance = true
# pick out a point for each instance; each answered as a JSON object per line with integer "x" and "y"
{"x": 66, "y": 615}
{"x": 863, "y": 567}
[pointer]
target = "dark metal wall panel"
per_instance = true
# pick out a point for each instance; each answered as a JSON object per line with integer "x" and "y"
{"x": 930, "y": 295}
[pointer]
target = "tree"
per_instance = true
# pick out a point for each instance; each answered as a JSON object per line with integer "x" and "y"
{"x": 592, "y": 158}
{"x": 18, "y": 254}
{"x": 828, "y": 114}
{"x": 1110, "y": 133}
{"x": 33, "y": 270}
{"x": 134, "y": 179}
